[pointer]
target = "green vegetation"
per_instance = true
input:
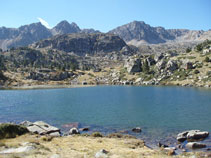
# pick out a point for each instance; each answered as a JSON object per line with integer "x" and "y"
{"x": 188, "y": 50}
{"x": 187, "y": 57}
{"x": 203, "y": 45}
{"x": 145, "y": 67}
{"x": 208, "y": 73}
{"x": 207, "y": 59}
{"x": 181, "y": 74}
{"x": 196, "y": 71}
{"x": 11, "y": 130}
{"x": 96, "y": 134}
{"x": 122, "y": 73}
{"x": 119, "y": 135}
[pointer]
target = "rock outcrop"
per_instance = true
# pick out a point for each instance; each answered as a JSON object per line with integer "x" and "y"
{"x": 171, "y": 65}
{"x": 133, "y": 65}
{"x": 82, "y": 44}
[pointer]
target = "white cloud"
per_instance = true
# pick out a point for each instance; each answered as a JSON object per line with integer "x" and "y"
{"x": 43, "y": 22}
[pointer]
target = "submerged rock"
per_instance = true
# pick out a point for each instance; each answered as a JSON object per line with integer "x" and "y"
{"x": 84, "y": 129}
{"x": 161, "y": 145}
{"x": 137, "y": 129}
{"x": 195, "y": 145}
{"x": 71, "y": 125}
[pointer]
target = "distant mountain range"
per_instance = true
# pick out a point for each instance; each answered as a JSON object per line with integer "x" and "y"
{"x": 134, "y": 33}
{"x": 137, "y": 33}
{"x": 28, "y": 34}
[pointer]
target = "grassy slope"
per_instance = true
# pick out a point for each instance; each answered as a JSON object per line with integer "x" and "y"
{"x": 81, "y": 146}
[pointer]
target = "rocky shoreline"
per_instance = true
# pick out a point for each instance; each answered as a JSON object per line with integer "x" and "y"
{"x": 192, "y": 139}
{"x": 50, "y": 86}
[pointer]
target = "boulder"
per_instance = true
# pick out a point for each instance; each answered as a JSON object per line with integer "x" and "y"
{"x": 42, "y": 128}
{"x": 74, "y": 131}
{"x": 161, "y": 145}
{"x": 161, "y": 64}
{"x": 195, "y": 145}
{"x": 55, "y": 134}
{"x": 181, "y": 137}
{"x": 84, "y": 129}
{"x": 187, "y": 65}
{"x": 133, "y": 65}
{"x": 170, "y": 150}
{"x": 101, "y": 154}
{"x": 171, "y": 65}
{"x": 150, "y": 61}
{"x": 158, "y": 57}
{"x": 195, "y": 135}
{"x": 26, "y": 123}
{"x": 22, "y": 149}
{"x": 137, "y": 129}
{"x": 55, "y": 156}
{"x": 192, "y": 135}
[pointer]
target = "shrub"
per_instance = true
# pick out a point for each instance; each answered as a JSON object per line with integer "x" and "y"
{"x": 2, "y": 77}
{"x": 119, "y": 135}
{"x": 207, "y": 59}
{"x": 8, "y": 130}
{"x": 47, "y": 138}
{"x": 208, "y": 73}
{"x": 145, "y": 67}
{"x": 188, "y": 50}
{"x": 196, "y": 71}
{"x": 96, "y": 134}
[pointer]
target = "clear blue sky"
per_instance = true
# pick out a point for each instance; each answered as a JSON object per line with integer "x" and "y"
{"x": 105, "y": 15}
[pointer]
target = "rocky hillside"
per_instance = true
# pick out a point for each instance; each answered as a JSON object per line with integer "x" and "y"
{"x": 138, "y": 32}
{"x": 82, "y": 44}
{"x": 103, "y": 59}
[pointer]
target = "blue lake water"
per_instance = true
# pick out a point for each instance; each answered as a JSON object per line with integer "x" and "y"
{"x": 161, "y": 112}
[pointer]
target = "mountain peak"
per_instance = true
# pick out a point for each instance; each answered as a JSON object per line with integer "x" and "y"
{"x": 64, "y": 27}
{"x": 63, "y": 22}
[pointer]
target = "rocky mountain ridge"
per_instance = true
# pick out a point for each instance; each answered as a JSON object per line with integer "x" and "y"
{"x": 138, "y": 32}
{"x": 135, "y": 33}
{"x": 28, "y": 34}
